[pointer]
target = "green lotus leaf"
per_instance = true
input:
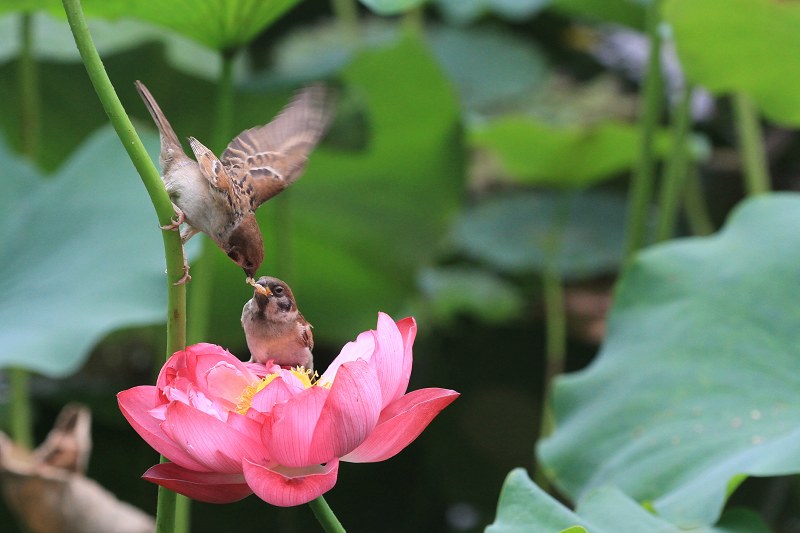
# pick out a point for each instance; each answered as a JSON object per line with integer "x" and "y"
{"x": 516, "y": 232}
{"x": 218, "y": 24}
{"x": 525, "y": 507}
{"x": 534, "y": 152}
{"x": 80, "y": 255}
{"x": 695, "y": 384}
{"x": 742, "y": 45}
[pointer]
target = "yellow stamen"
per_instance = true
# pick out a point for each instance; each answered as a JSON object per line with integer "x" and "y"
{"x": 307, "y": 377}
{"x": 250, "y": 391}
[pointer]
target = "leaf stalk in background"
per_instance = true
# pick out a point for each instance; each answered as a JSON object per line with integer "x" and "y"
{"x": 19, "y": 408}
{"x": 751, "y": 144}
{"x": 697, "y": 214}
{"x": 677, "y": 168}
{"x": 173, "y": 251}
{"x": 643, "y": 177}
{"x": 202, "y": 285}
{"x": 325, "y": 516}
{"x": 555, "y": 317}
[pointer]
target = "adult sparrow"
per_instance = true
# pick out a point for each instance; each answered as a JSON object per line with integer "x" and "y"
{"x": 219, "y": 196}
{"x": 274, "y": 327}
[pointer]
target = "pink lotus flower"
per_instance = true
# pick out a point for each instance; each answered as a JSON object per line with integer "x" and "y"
{"x": 232, "y": 428}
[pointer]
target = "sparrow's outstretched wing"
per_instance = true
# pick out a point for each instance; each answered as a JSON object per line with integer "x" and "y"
{"x": 267, "y": 159}
{"x": 218, "y": 176}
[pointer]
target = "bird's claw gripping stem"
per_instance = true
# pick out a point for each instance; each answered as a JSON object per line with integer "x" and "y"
{"x": 176, "y": 222}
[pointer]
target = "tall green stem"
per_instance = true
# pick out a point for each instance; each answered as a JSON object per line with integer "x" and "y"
{"x": 325, "y": 516}
{"x": 676, "y": 168}
{"x": 555, "y": 318}
{"x": 20, "y": 410}
{"x": 202, "y": 284}
{"x": 756, "y": 172}
{"x": 173, "y": 251}
{"x": 643, "y": 178}
{"x": 555, "y": 314}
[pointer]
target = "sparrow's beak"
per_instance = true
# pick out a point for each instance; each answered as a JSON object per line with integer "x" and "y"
{"x": 263, "y": 290}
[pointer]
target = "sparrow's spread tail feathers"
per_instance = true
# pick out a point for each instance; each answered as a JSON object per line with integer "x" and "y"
{"x": 171, "y": 148}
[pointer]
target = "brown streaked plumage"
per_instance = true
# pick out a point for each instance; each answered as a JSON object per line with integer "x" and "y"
{"x": 219, "y": 196}
{"x": 274, "y": 327}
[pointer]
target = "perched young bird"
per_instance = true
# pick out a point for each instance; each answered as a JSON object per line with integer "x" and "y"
{"x": 274, "y": 327}
{"x": 219, "y": 196}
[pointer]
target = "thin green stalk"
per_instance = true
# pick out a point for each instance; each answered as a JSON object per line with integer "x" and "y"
{"x": 141, "y": 160}
{"x": 676, "y": 168}
{"x": 21, "y": 420}
{"x": 556, "y": 323}
{"x": 643, "y": 178}
{"x": 30, "y": 110}
{"x": 556, "y": 349}
{"x": 202, "y": 284}
{"x": 697, "y": 214}
{"x": 21, "y": 424}
{"x": 173, "y": 251}
{"x": 325, "y": 516}
{"x": 553, "y": 290}
{"x": 756, "y": 172}
{"x": 555, "y": 319}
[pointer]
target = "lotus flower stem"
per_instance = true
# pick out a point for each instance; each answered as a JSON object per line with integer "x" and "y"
{"x": 325, "y": 515}
{"x": 173, "y": 251}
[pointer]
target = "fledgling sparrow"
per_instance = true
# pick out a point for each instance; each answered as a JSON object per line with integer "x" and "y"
{"x": 274, "y": 327}
{"x": 219, "y": 196}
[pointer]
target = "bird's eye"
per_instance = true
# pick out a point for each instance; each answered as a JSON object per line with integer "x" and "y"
{"x": 234, "y": 255}
{"x": 278, "y": 290}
